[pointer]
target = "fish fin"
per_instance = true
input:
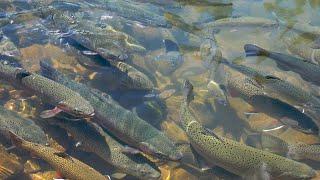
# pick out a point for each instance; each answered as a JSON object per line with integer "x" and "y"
{"x": 50, "y": 113}
{"x": 108, "y": 177}
{"x": 15, "y": 139}
{"x": 130, "y": 150}
{"x": 89, "y": 53}
{"x": 253, "y": 50}
{"x": 188, "y": 91}
{"x": 249, "y": 114}
{"x": 118, "y": 175}
{"x": 22, "y": 74}
{"x": 10, "y": 148}
{"x": 170, "y": 45}
{"x": 211, "y": 133}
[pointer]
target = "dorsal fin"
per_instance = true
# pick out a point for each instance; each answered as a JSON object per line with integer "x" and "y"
{"x": 22, "y": 74}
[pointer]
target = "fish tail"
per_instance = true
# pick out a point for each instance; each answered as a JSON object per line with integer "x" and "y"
{"x": 253, "y": 50}
{"x": 47, "y": 70}
{"x": 188, "y": 91}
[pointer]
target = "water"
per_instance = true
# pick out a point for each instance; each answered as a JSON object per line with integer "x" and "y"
{"x": 121, "y": 35}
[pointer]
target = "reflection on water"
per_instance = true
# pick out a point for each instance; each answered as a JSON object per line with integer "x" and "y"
{"x": 129, "y": 60}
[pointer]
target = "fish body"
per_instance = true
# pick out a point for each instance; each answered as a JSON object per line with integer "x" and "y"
{"x": 236, "y": 157}
{"x": 94, "y": 139}
{"x": 52, "y": 92}
{"x": 297, "y": 151}
{"x": 120, "y": 122}
{"x": 135, "y": 12}
{"x": 237, "y": 84}
{"x": 169, "y": 61}
{"x": 25, "y": 128}
{"x": 307, "y": 70}
{"x": 244, "y": 21}
{"x": 68, "y": 166}
{"x": 134, "y": 78}
{"x": 279, "y": 89}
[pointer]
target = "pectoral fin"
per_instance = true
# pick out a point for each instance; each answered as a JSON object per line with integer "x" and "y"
{"x": 118, "y": 175}
{"x": 50, "y": 113}
{"x": 130, "y": 150}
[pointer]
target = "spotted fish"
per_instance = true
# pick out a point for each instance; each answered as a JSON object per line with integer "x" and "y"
{"x": 50, "y": 91}
{"x": 122, "y": 123}
{"x": 233, "y": 156}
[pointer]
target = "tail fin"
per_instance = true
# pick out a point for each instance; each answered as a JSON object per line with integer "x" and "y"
{"x": 47, "y": 70}
{"x": 188, "y": 91}
{"x": 253, "y": 50}
{"x": 15, "y": 139}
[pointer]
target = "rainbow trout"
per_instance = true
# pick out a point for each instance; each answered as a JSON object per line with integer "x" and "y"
{"x": 63, "y": 98}
{"x": 277, "y": 145}
{"x": 136, "y": 12}
{"x": 233, "y": 156}
{"x": 122, "y": 123}
{"x": 68, "y": 166}
{"x": 279, "y": 89}
{"x": 25, "y": 128}
{"x": 307, "y": 70}
{"x": 239, "y": 85}
{"x": 93, "y": 139}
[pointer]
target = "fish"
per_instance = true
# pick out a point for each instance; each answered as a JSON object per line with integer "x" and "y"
{"x": 120, "y": 122}
{"x": 297, "y": 151}
{"x": 68, "y": 166}
{"x": 25, "y": 128}
{"x": 10, "y": 164}
{"x": 170, "y": 61}
{"x": 210, "y": 52}
{"x": 204, "y": 3}
{"x": 277, "y": 88}
{"x": 136, "y": 12}
{"x": 240, "y": 159}
{"x": 134, "y": 78}
{"x": 7, "y": 47}
{"x": 310, "y": 52}
{"x": 307, "y": 70}
{"x": 94, "y": 139}
{"x": 63, "y": 98}
{"x": 218, "y": 92}
{"x": 178, "y": 22}
{"x": 242, "y": 21}
{"x": 239, "y": 85}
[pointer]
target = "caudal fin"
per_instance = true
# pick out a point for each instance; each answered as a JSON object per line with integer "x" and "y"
{"x": 188, "y": 91}
{"x": 253, "y": 50}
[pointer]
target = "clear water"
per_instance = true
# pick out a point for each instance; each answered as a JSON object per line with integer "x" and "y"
{"x": 36, "y": 41}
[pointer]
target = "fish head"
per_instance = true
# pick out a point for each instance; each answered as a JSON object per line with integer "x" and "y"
{"x": 83, "y": 110}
